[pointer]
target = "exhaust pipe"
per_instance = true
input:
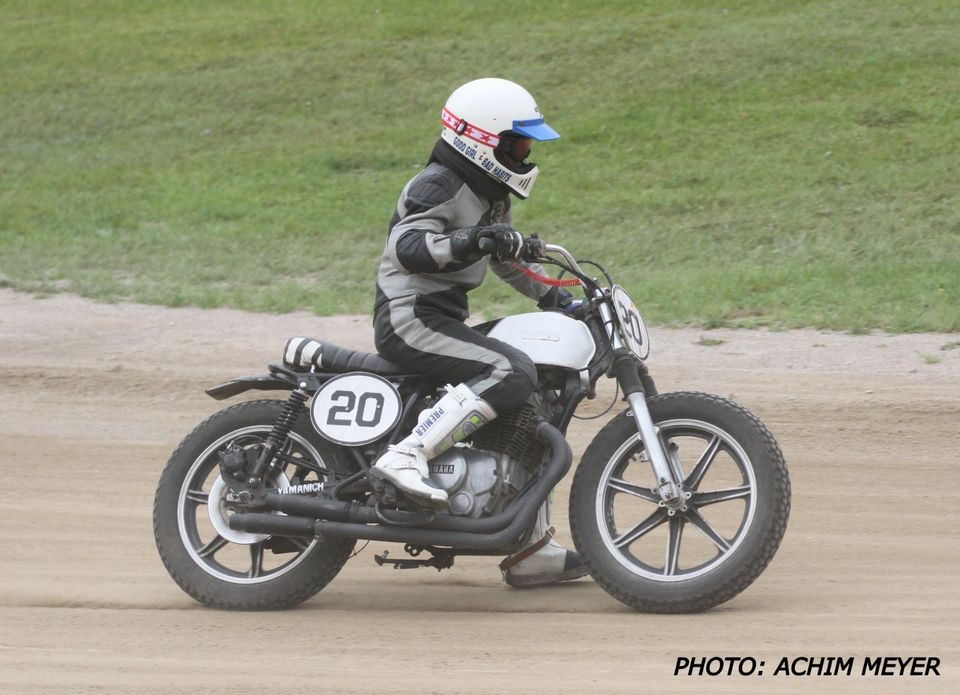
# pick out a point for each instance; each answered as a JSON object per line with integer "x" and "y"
{"x": 351, "y": 521}
{"x": 275, "y": 525}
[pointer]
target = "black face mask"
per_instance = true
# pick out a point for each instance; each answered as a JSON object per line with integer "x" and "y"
{"x": 513, "y": 151}
{"x": 479, "y": 181}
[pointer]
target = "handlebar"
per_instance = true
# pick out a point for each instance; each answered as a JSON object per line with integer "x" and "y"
{"x": 566, "y": 255}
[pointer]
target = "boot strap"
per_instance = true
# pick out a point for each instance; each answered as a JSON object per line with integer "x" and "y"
{"x": 512, "y": 560}
{"x": 409, "y": 451}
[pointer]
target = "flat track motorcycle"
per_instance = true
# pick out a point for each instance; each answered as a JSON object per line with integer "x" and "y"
{"x": 677, "y": 505}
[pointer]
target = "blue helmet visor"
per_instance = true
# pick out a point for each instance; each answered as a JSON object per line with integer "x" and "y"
{"x": 535, "y": 128}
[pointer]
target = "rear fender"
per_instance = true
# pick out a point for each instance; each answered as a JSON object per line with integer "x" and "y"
{"x": 259, "y": 382}
{"x": 280, "y": 378}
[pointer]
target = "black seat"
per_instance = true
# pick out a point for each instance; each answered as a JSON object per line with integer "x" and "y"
{"x": 304, "y": 353}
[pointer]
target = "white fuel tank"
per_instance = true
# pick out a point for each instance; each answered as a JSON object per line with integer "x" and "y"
{"x": 549, "y": 338}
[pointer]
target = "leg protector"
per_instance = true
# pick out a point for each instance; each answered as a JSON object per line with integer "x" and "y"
{"x": 543, "y": 561}
{"x": 455, "y": 417}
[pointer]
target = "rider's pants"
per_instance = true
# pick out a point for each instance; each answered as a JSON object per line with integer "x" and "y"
{"x": 433, "y": 343}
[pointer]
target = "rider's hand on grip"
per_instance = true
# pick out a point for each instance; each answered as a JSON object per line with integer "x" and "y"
{"x": 576, "y": 309}
{"x": 487, "y": 245}
{"x": 501, "y": 241}
{"x": 473, "y": 243}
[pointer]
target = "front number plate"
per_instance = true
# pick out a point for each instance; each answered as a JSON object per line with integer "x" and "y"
{"x": 632, "y": 327}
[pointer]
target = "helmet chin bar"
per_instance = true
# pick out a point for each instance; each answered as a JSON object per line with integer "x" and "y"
{"x": 516, "y": 166}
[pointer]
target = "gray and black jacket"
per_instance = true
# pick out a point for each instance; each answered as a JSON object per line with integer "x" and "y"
{"x": 449, "y": 194}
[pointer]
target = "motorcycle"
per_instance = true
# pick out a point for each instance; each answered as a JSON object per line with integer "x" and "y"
{"x": 677, "y": 505}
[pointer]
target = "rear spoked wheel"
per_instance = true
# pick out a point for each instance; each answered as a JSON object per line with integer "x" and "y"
{"x": 225, "y": 568}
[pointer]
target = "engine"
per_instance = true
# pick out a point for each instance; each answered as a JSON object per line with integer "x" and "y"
{"x": 478, "y": 483}
{"x": 481, "y": 479}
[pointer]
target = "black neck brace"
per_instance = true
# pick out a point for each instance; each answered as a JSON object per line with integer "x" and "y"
{"x": 480, "y": 183}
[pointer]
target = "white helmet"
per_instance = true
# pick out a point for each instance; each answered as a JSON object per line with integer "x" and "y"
{"x": 491, "y": 122}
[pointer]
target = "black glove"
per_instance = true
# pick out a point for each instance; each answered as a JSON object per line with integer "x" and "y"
{"x": 557, "y": 299}
{"x": 502, "y": 241}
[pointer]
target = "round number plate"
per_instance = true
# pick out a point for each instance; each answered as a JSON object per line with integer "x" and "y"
{"x": 632, "y": 327}
{"x": 355, "y": 408}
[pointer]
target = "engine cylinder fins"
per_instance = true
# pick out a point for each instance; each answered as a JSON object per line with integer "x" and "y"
{"x": 514, "y": 433}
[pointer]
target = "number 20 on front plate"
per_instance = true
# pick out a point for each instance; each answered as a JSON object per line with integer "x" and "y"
{"x": 633, "y": 328}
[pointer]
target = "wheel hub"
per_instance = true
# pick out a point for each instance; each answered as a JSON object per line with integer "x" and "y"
{"x": 219, "y": 514}
{"x": 680, "y": 503}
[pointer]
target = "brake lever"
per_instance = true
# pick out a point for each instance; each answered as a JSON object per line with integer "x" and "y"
{"x": 534, "y": 248}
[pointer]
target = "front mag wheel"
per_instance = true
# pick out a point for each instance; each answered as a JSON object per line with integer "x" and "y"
{"x": 703, "y": 551}
{"x": 225, "y": 568}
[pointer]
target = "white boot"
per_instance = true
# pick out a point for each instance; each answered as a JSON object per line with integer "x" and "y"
{"x": 455, "y": 417}
{"x": 551, "y": 563}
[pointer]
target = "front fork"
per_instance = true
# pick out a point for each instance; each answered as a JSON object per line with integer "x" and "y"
{"x": 669, "y": 477}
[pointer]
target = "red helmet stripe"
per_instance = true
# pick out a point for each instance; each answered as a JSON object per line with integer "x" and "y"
{"x": 461, "y": 127}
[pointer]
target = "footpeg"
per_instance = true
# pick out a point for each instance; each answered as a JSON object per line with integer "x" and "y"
{"x": 441, "y": 561}
{"x": 387, "y": 494}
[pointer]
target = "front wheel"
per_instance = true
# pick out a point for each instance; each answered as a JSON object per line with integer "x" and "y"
{"x": 712, "y": 545}
{"x": 225, "y": 568}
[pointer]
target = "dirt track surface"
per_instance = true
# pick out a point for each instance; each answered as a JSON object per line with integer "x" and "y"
{"x": 93, "y": 398}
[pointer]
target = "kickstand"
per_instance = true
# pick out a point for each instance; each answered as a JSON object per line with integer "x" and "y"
{"x": 440, "y": 560}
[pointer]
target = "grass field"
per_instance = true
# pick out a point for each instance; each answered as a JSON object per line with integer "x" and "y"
{"x": 740, "y": 163}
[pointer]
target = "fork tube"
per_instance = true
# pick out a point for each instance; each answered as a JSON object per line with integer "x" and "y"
{"x": 610, "y": 325}
{"x": 629, "y": 380}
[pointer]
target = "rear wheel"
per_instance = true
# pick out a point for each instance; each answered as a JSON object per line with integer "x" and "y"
{"x": 224, "y": 568}
{"x": 709, "y": 548}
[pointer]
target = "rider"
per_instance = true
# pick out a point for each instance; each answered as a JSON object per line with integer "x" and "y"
{"x": 451, "y": 222}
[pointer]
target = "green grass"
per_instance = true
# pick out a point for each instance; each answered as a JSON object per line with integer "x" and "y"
{"x": 742, "y": 163}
